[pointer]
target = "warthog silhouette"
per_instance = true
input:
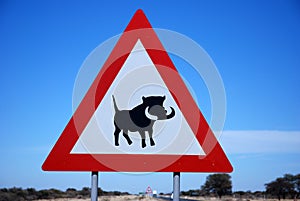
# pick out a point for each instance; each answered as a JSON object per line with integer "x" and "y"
{"x": 140, "y": 118}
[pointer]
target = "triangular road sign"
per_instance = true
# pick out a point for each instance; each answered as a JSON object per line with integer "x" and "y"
{"x": 185, "y": 142}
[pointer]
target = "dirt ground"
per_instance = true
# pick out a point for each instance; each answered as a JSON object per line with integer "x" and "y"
{"x": 108, "y": 198}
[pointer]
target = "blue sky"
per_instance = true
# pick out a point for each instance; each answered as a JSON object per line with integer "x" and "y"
{"x": 254, "y": 44}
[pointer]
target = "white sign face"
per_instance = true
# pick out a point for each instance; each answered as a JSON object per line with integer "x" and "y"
{"x": 137, "y": 78}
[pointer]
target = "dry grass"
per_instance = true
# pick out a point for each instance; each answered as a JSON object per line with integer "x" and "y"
{"x": 138, "y": 198}
{"x": 229, "y": 199}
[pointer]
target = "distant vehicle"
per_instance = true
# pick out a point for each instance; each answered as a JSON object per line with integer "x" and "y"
{"x": 154, "y": 194}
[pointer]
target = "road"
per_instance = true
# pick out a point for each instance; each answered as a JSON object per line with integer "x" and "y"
{"x": 164, "y": 198}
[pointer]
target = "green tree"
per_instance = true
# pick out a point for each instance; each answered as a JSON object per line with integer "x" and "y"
{"x": 291, "y": 180}
{"x": 71, "y": 193}
{"x": 297, "y": 184}
{"x": 85, "y": 192}
{"x": 281, "y": 187}
{"x": 219, "y": 184}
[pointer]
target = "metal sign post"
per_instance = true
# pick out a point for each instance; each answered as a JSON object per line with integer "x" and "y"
{"x": 176, "y": 186}
{"x": 94, "y": 186}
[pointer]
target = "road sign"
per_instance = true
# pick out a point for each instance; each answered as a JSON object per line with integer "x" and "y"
{"x": 149, "y": 190}
{"x": 138, "y": 116}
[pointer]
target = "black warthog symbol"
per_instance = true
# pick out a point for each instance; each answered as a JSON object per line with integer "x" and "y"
{"x": 141, "y": 118}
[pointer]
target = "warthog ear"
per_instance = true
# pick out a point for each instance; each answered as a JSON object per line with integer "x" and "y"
{"x": 150, "y": 116}
{"x": 143, "y": 98}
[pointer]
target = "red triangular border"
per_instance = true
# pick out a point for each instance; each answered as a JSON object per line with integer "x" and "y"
{"x": 60, "y": 158}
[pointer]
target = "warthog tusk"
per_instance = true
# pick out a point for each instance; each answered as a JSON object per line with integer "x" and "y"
{"x": 150, "y": 116}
